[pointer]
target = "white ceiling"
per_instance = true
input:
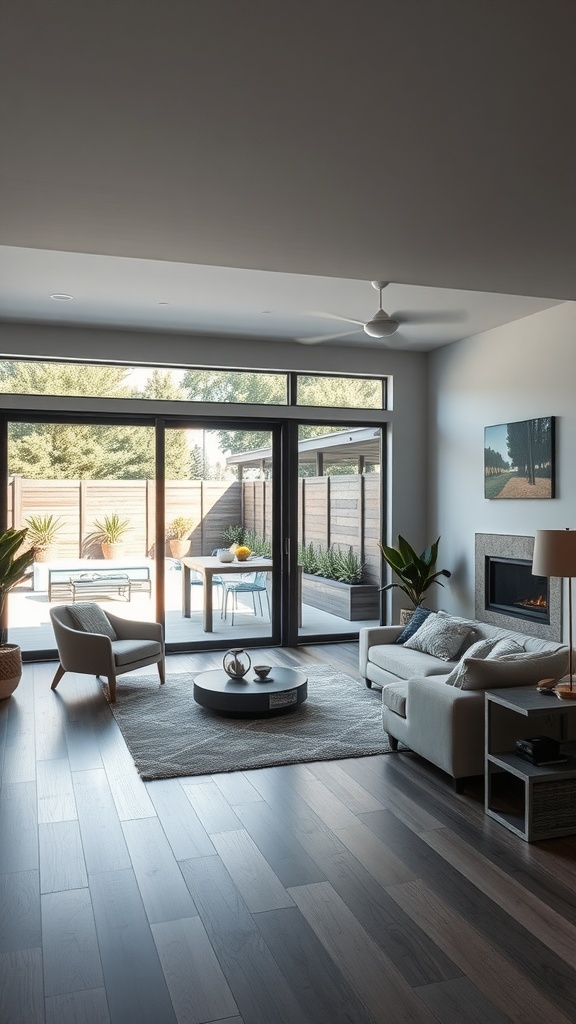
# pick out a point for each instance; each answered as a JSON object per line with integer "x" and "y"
{"x": 228, "y": 157}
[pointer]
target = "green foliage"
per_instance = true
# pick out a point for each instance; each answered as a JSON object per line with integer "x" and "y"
{"x": 258, "y": 544}
{"x": 415, "y": 572}
{"x": 331, "y": 563}
{"x": 234, "y": 534}
{"x": 42, "y": 529}
{"x": 179, "y": 528}
{"x": 110, "y": 529}
{"x": 14, "y": 566}
{"x": 63, "y": 451}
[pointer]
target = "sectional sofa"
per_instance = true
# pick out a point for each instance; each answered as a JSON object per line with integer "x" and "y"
{"x": 434, "y": 705}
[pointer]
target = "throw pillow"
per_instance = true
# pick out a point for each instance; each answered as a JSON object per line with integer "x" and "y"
{"x": 480, "y": 649}
{"x": 419, "y": 616}
{"x": 525, "y": 669}
{"x": 440, "y": 636}
{"x": 505, "y": 646}
{"x": 91, "y": 619}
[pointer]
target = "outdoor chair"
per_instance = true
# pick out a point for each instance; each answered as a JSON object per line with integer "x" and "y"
{"x": 96, "y": 642}
{"x": 250, "y": 583}
{"x": 197, "y": 580}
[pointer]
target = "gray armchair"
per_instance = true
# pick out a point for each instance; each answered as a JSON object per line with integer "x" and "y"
{"x": 136, "y": 644}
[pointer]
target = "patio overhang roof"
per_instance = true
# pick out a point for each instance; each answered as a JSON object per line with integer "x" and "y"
{"x": 358, "y": 443}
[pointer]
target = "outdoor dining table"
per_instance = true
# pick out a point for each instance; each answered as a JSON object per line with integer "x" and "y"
{"x": 209, "y": 566}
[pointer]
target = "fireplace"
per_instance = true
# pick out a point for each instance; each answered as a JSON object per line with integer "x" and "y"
{"x": 506, "y": 592}
{"x": 513, "y": 590}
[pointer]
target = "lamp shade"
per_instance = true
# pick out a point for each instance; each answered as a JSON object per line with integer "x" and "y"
{"x": 554, "y": 553}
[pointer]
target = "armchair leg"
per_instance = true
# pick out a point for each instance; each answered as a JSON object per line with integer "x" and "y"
{"x": 59, "y": 673}
{"x": 162, "y": 671}
{"x": 112, "y": 688}
{"x": 392, "y": 741}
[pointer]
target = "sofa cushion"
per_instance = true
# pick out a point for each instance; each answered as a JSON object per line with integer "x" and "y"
{"x": 489, "y": 647}
{"x": 394, "y": 697}
{"x": 440, "y": 636}
{"x": 419, "y": 616}
{"x": 479, "y": 649}
{"x": 404, "y": 663}
{"x": 524, "y": 669}
{"x": 90, "y": 618}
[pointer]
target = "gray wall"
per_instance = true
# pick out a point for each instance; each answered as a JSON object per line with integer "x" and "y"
{"x": 407, "y": 418}
{"x": 522, "y": 370}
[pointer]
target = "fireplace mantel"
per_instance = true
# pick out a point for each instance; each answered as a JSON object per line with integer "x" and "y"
{"x": 503, "y": 545}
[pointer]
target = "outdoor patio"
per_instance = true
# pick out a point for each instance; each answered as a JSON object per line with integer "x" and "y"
{"x": 31, "y": 628}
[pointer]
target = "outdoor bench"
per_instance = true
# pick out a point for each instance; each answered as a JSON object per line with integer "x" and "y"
{"x": 66, "y": 583}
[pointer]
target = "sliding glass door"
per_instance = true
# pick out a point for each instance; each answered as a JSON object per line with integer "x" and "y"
{"x": 219, "y": 565}
{"x": 85, "y": 492}
{"x": 339, "y": 526}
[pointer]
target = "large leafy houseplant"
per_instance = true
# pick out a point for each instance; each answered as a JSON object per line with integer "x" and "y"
{"x": 14, "y": 567}
{"x": 415, "y": 573}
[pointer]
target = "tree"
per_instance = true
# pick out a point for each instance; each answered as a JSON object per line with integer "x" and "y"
{"x": 247, "y": 388}
{"x": 53, "y": 451}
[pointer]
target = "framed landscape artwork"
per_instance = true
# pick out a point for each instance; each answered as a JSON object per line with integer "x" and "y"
{"x": 519, "y": 459}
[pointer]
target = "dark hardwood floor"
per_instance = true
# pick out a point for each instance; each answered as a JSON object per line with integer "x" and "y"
{"x": 359, "y": 891}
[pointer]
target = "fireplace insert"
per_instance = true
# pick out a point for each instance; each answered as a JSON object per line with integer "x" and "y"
{"x": 513, "y": 590}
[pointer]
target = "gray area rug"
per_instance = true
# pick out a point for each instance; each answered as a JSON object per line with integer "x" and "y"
{"x": 169, "y": 735}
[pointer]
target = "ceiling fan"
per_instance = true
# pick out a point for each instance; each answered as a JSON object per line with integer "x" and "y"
{"x": 382, "y": 324}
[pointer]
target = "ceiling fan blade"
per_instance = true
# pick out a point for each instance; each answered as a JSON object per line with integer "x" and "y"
{"x": 437, "y": 316}
{"x": 318, "y": 338}
{"x": 334, "y": 316}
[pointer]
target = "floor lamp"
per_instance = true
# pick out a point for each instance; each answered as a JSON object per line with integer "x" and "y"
{"x": 555, "y": 555}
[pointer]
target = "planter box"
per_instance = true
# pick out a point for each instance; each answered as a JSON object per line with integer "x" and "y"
{"x": 350, "y": 601}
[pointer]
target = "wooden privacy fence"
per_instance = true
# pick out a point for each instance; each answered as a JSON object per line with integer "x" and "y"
{"x": 211, "y": 504}
{"x": 340, "y": 510}
{"x": 343, "y": 511}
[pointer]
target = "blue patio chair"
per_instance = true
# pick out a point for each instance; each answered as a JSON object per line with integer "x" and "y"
{"x": 249, "y": 583}
{"x": 197, "y": 580}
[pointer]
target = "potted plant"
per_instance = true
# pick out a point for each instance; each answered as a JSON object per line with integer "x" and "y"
{"x": 177, "y": 535}
{"x": 14, "y": 566}
{"x": 416, "y": 573}
{"x": 109, "y": 532}
{"x": 42, "y": 531}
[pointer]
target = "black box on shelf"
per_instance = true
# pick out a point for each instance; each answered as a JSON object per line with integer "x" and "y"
{"x": 540, "y": 750}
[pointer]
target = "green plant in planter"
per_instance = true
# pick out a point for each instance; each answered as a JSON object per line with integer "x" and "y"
{"x": 14, "y": 566}
{"x": 179, "y": 528}
{"x": 42, "y": 530}
{"x": 234, "y": 535}
{"x": 331, "y": 564}
{"x": 110, "y": 529}
{"x": 416, "y": 573}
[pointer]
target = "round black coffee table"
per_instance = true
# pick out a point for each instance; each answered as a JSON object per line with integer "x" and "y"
{"x": 285, "y": 688}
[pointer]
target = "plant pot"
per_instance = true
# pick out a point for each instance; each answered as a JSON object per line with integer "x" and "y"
{"x": 10, "y": 669}
{"x": 405, "y": 615}
{"x": 45, "y": 554}
{"x": 179, "y": 548}
{"x": 112, "y": 550}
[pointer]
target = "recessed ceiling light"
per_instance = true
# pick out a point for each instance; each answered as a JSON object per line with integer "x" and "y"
{"x": 266, "y": 311}
{"x": 61, "y": 297}
{"x": 163, "y": 303}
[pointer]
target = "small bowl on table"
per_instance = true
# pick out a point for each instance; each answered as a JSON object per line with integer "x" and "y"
{"x": 262, "y": 671}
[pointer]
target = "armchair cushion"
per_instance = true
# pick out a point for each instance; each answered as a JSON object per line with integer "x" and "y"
{"x": 88, "y": 617}
{"x": 127, "y": 651}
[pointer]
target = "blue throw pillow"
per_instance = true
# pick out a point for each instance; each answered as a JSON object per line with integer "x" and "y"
{"x": 420, "y": 615}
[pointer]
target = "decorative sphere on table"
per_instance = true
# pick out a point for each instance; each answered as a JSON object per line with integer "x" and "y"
{"x": 236, "y": 663}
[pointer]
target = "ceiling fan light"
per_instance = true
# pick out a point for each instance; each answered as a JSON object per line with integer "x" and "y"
{"x": 379, "y": 328}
